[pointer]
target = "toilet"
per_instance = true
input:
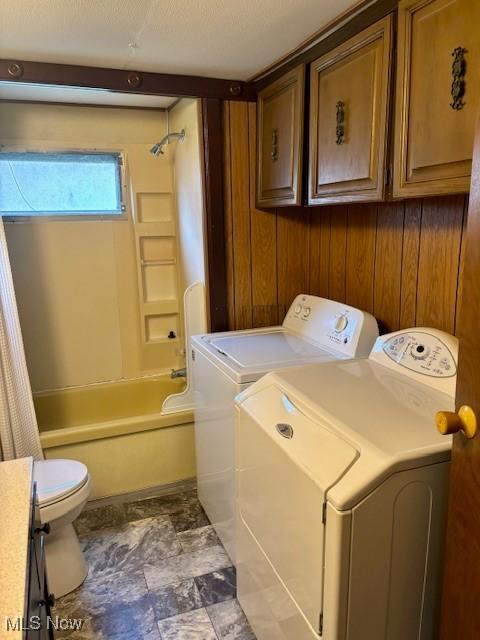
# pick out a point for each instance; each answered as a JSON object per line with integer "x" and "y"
{"x": 63, "y": 488}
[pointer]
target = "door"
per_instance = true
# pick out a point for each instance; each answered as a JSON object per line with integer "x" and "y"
{"x": 460, "y": 610}
{"x": 438, "y": 90}
{"x": 349, "y": 89}
{"x": 280, "y": 140}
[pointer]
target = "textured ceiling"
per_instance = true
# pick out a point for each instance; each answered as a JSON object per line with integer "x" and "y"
{"x": 19, "y": 91}
{"x": 220, "y": 38}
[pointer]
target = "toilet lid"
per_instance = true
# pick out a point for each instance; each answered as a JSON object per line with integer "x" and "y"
{"x": 57, "y": 479}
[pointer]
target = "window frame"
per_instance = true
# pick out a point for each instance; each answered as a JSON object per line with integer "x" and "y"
{"x": 73, "y": 217}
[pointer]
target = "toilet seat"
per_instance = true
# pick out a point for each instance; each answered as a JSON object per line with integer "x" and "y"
{"x": 58, "y": 479}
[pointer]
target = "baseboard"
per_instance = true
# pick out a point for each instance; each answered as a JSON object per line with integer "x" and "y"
{"x": 189, "y": 484}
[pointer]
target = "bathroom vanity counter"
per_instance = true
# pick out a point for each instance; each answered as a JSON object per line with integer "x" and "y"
{"x": 16, "y": 494}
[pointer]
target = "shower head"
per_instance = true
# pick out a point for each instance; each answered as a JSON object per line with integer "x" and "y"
{"x": 158, "y": 148}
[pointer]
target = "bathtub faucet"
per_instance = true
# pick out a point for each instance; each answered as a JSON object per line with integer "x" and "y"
{"x": 178, "y": 373}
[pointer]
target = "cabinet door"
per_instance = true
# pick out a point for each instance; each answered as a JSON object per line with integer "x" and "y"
{"x": 280, "y": 141}
{"x": 349, "y": 90}
{"x": 438, "y": 54}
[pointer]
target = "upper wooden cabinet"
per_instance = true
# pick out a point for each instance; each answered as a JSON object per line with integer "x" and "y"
{"x": 280, "y": 140}
{"x": 349, "y": 89}
{"x": 438, "y": 86}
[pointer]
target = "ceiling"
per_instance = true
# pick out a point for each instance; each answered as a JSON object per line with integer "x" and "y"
{"x": 220, "y": 38}
{"x": 51, "y": 93}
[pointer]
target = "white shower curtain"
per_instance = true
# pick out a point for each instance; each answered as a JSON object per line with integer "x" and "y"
{"x": 18, "y": 424}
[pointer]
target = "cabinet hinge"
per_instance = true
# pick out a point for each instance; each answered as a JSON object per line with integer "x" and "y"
{"x": 324, "y": 513}
{"x": 193, "y": 354}
{"x": 320, "y": 624}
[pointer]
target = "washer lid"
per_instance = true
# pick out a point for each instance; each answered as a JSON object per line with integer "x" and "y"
{"x": 268, "y": 350}
{"x": 57, "y": 479}
{"x": 245, "y": 356}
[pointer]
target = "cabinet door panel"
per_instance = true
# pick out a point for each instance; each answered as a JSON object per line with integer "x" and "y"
{"x": 280, "y": 137}
{"x": 433, "y": 140}
{"x": 348, "y": 118}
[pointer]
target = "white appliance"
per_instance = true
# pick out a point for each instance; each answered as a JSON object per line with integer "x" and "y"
{"x": 223, "y": 364}
{"x": 342, "y": 486}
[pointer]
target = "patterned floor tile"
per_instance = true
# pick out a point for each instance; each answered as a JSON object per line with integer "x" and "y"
{"x": 217, "y": 586}
{"x": 229, "y": 621}
{"x": 131, "y": 546}
{"x": 157, "y": 572}
{"x": 194, "y": 539}
{"x": 120, "y": 620}
{"x": 186, "y": 565}
{"x": 195, "y": 625}
{"x": 174, "y": 599}
{"x": 161, "y": 505}
{"x": 112, "y": 515}
{"x": 189, "y": 518}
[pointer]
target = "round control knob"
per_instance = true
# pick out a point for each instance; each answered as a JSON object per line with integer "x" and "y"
{"x": 306, "y": 312}
{"x": 298, "y": 308}
{"x": 420, "y": 351}
{"x": 341, "y": 324}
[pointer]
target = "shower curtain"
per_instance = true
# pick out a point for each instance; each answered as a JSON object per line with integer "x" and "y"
{"x": 18, "y": 424}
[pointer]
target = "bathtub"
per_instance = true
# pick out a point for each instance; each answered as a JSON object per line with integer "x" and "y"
{"x": 117, "y": 429}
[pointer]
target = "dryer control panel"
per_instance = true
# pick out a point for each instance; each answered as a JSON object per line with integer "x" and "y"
{"x": 333, "y": 325}
{"x": 428, "y": 353}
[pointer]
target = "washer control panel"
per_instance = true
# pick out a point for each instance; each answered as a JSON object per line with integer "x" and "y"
{"x": 332, "y": 325}
{"x": 428, "y": 353}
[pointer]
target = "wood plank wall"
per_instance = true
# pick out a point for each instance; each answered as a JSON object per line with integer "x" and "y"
{"x": 399, "y": 260}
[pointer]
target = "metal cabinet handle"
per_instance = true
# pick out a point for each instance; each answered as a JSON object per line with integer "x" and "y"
{"x": 274, "y": 151}
{"x": 44, "y": 529}
{"x": 459, "y": 69}
{"x": 340, "y": 119}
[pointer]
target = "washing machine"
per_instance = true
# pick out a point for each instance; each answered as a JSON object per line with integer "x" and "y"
{"x": 342, "y": 482}
{"x": 224, "y": 364}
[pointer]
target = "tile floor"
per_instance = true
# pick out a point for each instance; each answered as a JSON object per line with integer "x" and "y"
{"x": 157, "y": 572}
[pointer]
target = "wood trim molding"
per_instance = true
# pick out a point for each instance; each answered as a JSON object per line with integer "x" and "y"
{"x": 125, "y": 81}
{"x": 212, "y": 119}
{"x": 315, "y": 38}
{"x": 360, "y": 21}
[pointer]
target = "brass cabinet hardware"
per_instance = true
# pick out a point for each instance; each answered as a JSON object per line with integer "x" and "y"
{"x": 274, "y": 151}
{"x": 459, "y": 68}
{"x": 340, "y": 129}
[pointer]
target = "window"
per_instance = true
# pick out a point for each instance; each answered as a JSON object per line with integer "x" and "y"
{"x": 60, "y": 184}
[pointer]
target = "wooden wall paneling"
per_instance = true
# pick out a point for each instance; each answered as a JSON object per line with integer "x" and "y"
{"x": 438, "y": 265}
{"x": 213, "y": 148}
{"x": 388, "y": 265}
{"x": 315, "y": 253}
{"x": 292, "y": 255}
{"x": 229, "y": 257}
{"x": 462, "y": 260}
{"x": 361, "y": 236}
{"x": 264, "y": 246}
{"x": 338, "y": 254}
{"x": 240, "y": 193}
{"x": 410, "y": 253}
{"x": 319, "y": 251}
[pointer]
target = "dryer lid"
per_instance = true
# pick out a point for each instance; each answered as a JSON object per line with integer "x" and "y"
{"x": 311, "y": 444}
{"x": 57, "y": 479}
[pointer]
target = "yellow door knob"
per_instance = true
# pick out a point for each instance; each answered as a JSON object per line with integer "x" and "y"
{"x": 465, "y": 420}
